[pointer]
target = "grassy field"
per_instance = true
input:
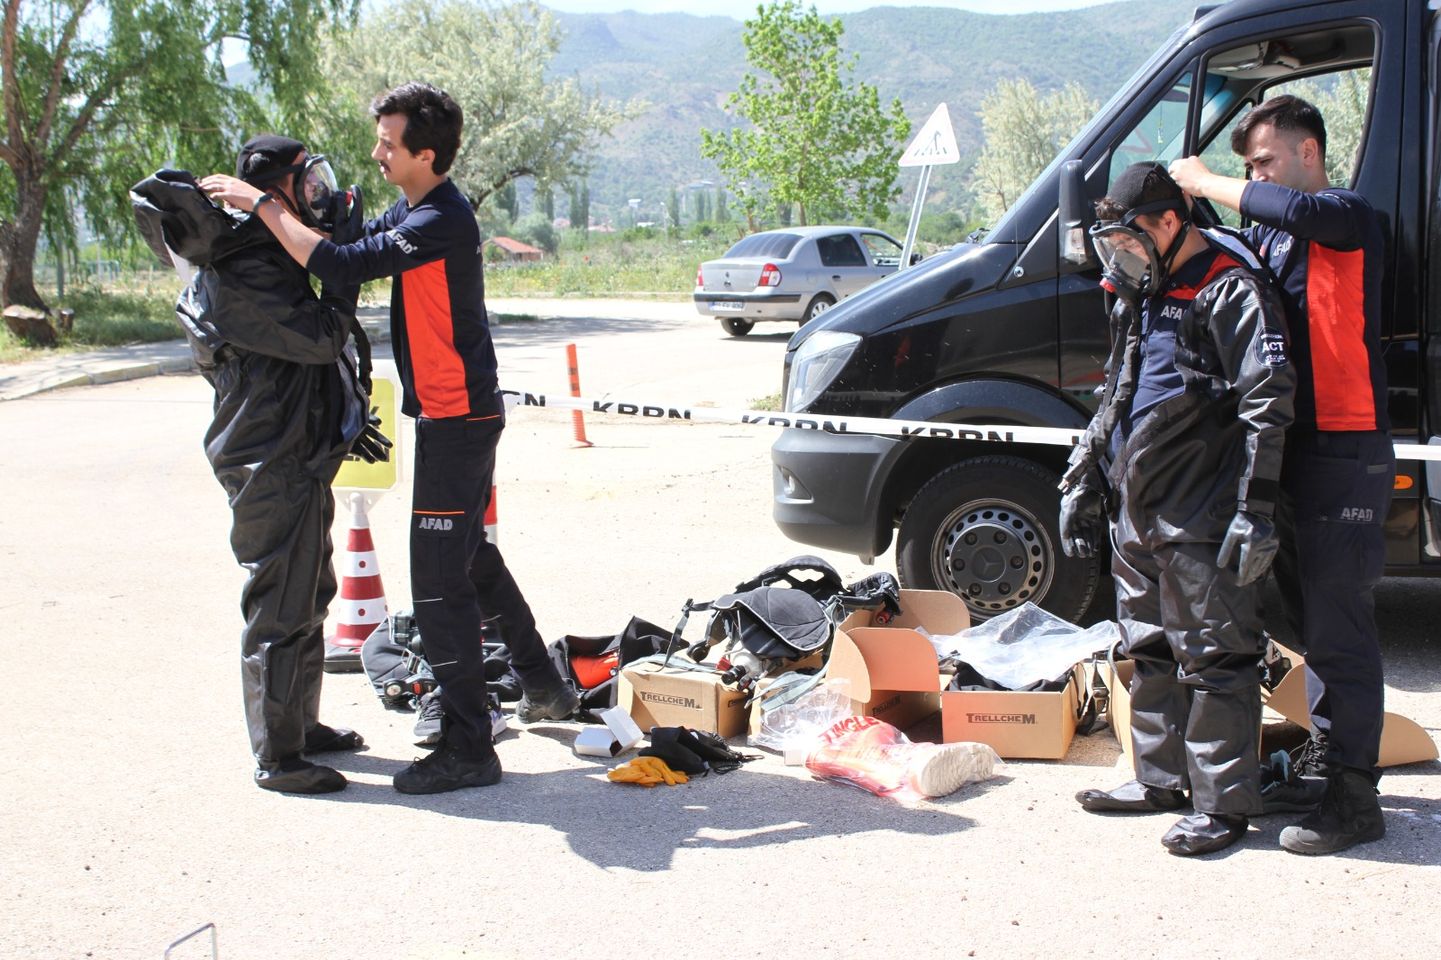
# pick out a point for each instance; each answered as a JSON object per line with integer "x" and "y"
{"x": 108, "y": 316}
{"x": 139, "y": 306}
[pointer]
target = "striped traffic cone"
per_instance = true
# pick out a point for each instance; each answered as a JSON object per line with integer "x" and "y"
{"x": 492, "y": 526}
{"x": 361, "y": 606}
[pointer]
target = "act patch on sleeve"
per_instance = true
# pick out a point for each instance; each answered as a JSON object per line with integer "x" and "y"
{"x": 1271, "y": 350}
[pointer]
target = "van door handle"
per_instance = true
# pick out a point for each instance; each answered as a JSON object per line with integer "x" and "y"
{"x": 835, "y": 276}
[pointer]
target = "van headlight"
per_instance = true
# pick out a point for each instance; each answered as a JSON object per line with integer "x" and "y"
{"x": 817, "y": 362}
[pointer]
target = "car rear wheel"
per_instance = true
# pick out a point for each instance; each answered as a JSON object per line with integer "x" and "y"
{"x": 819, "y": 305}
{"x": 735, "y": 326}
{"x": 987, "y": 530}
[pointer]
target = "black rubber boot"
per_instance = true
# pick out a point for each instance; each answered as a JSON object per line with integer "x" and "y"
{"x": 299, "y": 776}
{"x": 1350, "y": 813}
{"x": 1132, "y": 797}
{"x": 1203, "y": 833}
{"x": 323, "y": 738}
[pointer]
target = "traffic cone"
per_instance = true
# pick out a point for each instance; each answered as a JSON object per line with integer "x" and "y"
{"x": 492, "y": 526}
{"x": 577, "y": 419}
{"x": 361, "y": 606}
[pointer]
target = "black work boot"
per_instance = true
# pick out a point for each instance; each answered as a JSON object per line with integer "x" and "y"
{"x": 1203, "y": 833}
{"x": 556, "y": 703}
{"x": 1132, "y": 797}
{"x": 1350, "y": 813}
{"x": 299, "y": 776}
{"x": 447, "y": 769}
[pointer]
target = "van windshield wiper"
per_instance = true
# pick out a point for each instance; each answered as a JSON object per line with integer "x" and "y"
{"x": 977, "y": 235}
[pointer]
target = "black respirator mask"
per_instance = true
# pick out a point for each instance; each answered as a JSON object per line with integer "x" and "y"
{"x": 1131, "y": 266}
{"x": 322, "y": 204}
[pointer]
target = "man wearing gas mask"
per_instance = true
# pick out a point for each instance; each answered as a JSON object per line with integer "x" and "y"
{"x": 1326, "y": 247}
{"x": 1180, "y": 463}
{"x": 289, "y": 405}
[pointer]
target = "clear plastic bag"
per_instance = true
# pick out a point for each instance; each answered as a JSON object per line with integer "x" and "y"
{"x": 873, "y": 755}
{"x": 795, "y": 727}
{"x": 1026, "y": 645}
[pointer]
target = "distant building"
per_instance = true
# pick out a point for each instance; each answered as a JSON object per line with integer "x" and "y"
{"x": 515, "y": 250}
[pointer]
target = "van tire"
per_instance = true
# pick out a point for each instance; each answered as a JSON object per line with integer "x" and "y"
{"x": 986, "y": 529}
{"x": 735, "y": 326}
{"x": 819, "y": 304}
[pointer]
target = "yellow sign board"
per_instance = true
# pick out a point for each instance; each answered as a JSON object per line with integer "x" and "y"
{"x": 355, "y": 473}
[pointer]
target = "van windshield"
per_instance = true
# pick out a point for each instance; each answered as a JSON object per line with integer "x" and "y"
{"x": 1000, "y": 230}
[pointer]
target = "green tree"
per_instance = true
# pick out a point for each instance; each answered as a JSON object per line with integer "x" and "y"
{"x": 672, "y": 208}
{"x": 492, "y": 59}
{"x": 701, "y": 202}
{"x": 545, "y": 201}
{"x": 96, "y": 92}
{"x": 1024, "y": 131}
{"x": 813, "y": 139}
{"x": 507, "y": 202}
{"x": 722, "y": 215}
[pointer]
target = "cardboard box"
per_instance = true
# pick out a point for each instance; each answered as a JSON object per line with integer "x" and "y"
{"x": 1403, "y": 740}
{"x": 894, "y": 676}
{"x": 656, "y": 696}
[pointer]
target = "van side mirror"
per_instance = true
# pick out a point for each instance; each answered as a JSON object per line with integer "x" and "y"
{"x": 1074, "y": 217}
{"x": 915, "y": 259}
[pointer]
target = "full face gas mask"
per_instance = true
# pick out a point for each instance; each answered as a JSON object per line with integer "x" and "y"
{"x": 320, "y": 200}
{"x": 1131, "y": 266}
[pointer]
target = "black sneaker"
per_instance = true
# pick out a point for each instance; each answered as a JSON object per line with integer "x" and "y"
{"x": 1309, "y": 759}
{"x": 1350, "y": 813}
{"x": 428, "y": 720}
{"x": 299, "y": 776}
{"x": 444, "y": 770}
{"x": 559, "y": 703}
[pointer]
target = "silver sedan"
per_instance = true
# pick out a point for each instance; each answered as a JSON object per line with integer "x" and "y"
{"x": 792, "y": 274}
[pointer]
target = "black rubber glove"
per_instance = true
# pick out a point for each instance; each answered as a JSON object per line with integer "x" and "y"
{"x": 372, "y": 446}
{"x": 1253, "y": 539}
{"x": 347, "y": 230}
{"x": 1083, "y": 521}
{"x": 347, "y": 227}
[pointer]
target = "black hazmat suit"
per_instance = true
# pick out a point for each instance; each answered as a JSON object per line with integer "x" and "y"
{"x": 288, "y": 405}
{"x": 1174, "y": 477}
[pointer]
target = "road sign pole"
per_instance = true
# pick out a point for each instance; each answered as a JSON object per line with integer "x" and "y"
{"x": 916, "y": 205}
{"x": 935, "y": 144}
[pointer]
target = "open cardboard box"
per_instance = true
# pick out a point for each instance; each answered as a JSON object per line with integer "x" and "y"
{"x": 659, "y": 696}
{"x": 894, "y": 676}
{"x": 1403, "y": 740}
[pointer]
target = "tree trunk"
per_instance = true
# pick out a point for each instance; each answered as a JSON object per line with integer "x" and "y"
{"x": 18, "y": 240}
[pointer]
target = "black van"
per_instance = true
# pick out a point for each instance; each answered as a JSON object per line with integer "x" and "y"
{"x": 1011, "y": 328}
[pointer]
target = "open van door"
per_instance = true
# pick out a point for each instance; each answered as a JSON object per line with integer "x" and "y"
{"x": 1431, "y": 385}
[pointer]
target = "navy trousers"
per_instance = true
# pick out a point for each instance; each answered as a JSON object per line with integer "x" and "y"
{"x": 459, "y": 578}
{"x": 1336, "y": 490}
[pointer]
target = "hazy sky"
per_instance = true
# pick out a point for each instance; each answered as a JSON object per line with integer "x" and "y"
{"x": 741, "y": 9}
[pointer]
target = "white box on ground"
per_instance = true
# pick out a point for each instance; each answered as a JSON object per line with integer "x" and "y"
{"x": 618, "y": 735}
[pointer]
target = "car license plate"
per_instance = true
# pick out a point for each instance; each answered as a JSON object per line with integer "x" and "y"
{"x": 734, "y": 305}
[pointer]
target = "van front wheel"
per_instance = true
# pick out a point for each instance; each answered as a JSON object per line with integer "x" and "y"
{"x": 735, "y": 326}
{"x": 987, "y": 530}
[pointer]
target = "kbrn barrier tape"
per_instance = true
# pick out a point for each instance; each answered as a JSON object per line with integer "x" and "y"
{"x": 827, "y": 423}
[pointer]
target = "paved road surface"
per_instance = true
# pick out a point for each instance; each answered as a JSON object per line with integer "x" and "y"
{"x": 130, "y": 818}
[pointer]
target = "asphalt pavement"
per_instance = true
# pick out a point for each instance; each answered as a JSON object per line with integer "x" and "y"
{"x": 130, "y": 818}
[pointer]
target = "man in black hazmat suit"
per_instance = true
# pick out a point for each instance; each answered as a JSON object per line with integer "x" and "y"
{"x": 289, "y": 405}
{"x": 1183, "y": 458}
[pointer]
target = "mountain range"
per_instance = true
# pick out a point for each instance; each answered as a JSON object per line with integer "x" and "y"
{"x": 683, "y": 67}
